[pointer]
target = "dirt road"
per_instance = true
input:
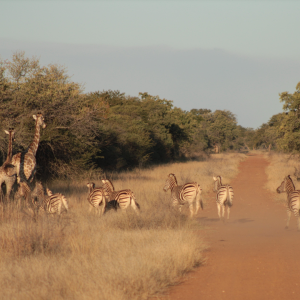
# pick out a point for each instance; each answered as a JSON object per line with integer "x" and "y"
{"x": 251, "y": 256}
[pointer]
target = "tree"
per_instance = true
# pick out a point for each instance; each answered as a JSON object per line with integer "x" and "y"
{"x": 72, "y": 118}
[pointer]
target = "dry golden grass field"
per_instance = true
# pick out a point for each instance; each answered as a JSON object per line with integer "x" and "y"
{"x": 117, "y": 256}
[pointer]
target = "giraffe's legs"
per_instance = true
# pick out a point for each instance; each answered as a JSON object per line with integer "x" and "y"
{"x": 9, "y": 183}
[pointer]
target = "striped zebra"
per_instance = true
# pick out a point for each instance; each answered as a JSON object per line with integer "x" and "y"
{"x": 181, "y": 194}
{"x": 293, "y": 199}
{"x": 124, "y": 198}
{"x": 37, "y": 200}
{"x": 224, "y": 196}
{"x": 24, "y": 191}
{"x": 96, "y": 198}
{"x": 30, "y": 194}
{"x": 54, "y": 203}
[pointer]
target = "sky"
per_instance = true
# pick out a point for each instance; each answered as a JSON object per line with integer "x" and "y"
{"x": 234, "y": 55}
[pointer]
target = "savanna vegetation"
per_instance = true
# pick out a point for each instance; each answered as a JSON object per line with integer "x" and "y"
{"x": 282, "y": 132}
{"x": 102, "y": 130}
{"x": 117, "y": 256}
{"x": 135, "y": 141}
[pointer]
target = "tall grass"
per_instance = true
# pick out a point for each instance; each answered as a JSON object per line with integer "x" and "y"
{"x": 118, "y": 256}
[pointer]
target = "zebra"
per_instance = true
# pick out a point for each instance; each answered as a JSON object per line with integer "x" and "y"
{"x": 181, "y": 194}
{"x": 293, "y": 199}
{"x": 33, "y": 193}
{"x": 54, "y": 203}
{"x": 124, "y": 198}
{"x": 96, "y": 198}
{"x": 224, "y": 196}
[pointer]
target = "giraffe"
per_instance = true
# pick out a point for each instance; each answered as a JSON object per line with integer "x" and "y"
{"x": 25, "y": 161}
{"x": 7, "y": 170}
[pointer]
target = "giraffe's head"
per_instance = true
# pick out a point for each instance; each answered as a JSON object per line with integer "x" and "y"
{"x": 39, "y": 120}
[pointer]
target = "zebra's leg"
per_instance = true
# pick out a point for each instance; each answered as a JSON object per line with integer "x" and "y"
{"x": 191, "y": 209}
{"x": 228, "y": 211}
{"x": 175, "y": 204}
{"x": 219, "y": 210}
{"x": 223, "y": 211}
{"x": 180, "y": 208}
{"x": 298, "y": 227}
{"x": 197, "y": 205}
{"x": 288, "y": 219}
{"x": 59, "y": 209}
{"x": 103, "y": 207}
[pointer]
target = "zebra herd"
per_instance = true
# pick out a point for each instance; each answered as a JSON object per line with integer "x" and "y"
{"x": 100, "y": 198}
{"x": 189, "y": 193}
{"x": 21, "y": 168}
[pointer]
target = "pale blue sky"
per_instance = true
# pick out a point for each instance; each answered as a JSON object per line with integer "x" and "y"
{"x": 200, "y": 54}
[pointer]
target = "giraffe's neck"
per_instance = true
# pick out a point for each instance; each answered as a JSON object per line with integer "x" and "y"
{"x": 9, "y": 152}
{"x": 35, "y": 143}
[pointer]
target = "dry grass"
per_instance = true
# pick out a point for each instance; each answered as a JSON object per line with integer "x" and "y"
{"x": 280, "y": 166}
{"x": 117, "y": 256}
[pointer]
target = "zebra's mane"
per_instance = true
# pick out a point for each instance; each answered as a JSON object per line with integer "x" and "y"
{"x": 220, "y": 179}
{"x": 174, "y": 177}
{"x": 110, "y": 184}
{"x": 290, "y": 180}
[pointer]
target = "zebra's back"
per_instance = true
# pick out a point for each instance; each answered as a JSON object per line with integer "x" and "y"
{"x": 185, "y": 193}
{"x": 97, "y": 197}
{"x": 55, "y": 203}
{"x": 225, "y": 195}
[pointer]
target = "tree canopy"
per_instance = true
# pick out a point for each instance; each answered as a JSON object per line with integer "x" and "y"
{"x": 107, "y": 129}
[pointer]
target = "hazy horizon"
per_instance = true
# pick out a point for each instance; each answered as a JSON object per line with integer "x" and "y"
{"x": 234, "y": 55}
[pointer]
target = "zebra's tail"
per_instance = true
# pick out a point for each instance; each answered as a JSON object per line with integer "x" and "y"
{"x": 64, "y": 201}
{"x": 134, "y": 204}
{"x": 229, "y": 198}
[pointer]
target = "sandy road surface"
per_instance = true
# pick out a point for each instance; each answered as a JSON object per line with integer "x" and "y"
{"x": 251, "y": 256}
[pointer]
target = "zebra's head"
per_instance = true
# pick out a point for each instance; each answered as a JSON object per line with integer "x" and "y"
{"x": 49, "y": 193}
{"x": 170, "y": 182}
{"x": 91, "y": 186}
{"x": 286, "y": 185}
{"x": 217, "y": 183}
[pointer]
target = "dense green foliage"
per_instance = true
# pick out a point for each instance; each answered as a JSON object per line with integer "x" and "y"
{"x": 282, "y": 132}
{"x": 107, "y": 129}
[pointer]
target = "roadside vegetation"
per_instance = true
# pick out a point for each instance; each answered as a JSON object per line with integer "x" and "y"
{"x": 117, "y": 256}
{"x": 135, "y": 141}
{"x": 103, "y": 130}
{"x": 281, "y": 165}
